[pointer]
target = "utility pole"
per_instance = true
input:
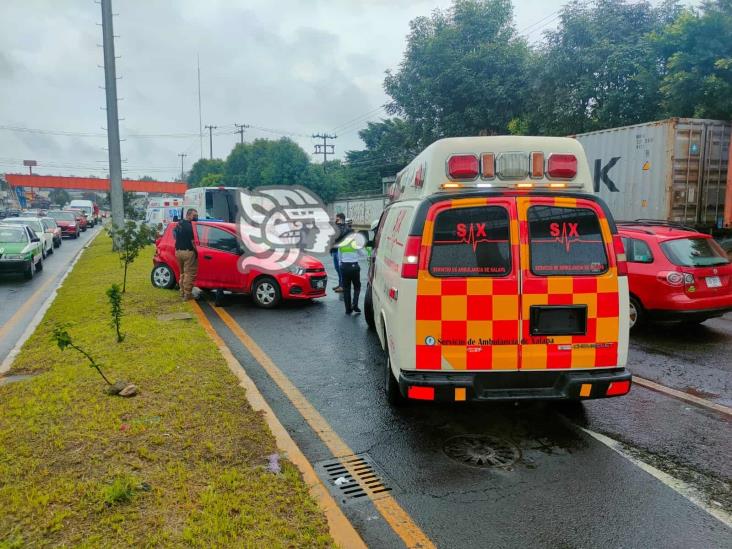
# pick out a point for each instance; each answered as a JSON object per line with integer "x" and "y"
{"x": 240, "y": 131}
{"x": 325, "y": 149}
{"x": 210, "y": 140}
{"x": 182, "y": 156}
{"x": 110, "y": 87}
{"x": 200, "y": 117}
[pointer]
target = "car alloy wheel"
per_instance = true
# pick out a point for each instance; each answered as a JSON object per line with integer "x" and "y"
{"x": 162, "y": 277}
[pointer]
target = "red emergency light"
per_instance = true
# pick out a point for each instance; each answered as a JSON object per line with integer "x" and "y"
{"x": 462, "y": 166}
{"x": 561, "y": 166}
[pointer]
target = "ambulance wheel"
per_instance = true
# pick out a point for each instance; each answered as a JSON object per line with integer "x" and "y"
{"x": 393, "y": 394}
{"x": 637, "y": 315}
{"x": 368, "y": 309}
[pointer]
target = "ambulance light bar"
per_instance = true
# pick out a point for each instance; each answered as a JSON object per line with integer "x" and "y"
{"x": 512, "y": 166}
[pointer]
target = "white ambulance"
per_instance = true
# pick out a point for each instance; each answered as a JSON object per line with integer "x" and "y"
{"x": 499, "y": 275}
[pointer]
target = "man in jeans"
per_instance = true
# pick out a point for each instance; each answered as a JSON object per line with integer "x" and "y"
{"x": 185, "y": 254}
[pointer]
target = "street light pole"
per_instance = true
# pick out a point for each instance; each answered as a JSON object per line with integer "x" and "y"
{"x": 110, "y": 87}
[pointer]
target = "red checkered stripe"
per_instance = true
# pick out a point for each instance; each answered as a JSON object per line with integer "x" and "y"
{"x": 599, "y": 346}
{"x": 480, "y": 309}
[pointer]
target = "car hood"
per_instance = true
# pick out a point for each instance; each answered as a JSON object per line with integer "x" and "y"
{"x": 309, "y": 262}
{"x": 14, "y": 248}
{"x": 64, "y": 222}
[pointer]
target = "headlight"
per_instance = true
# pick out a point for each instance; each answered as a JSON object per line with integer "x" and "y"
{"x": 297, "y": 270}
{"x": 14, "y": 256}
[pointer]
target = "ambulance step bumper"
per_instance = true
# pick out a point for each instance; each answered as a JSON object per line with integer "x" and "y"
{"x": 533, "y": 385}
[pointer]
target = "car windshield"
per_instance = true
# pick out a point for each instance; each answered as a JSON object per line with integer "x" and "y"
{"x": 64, "y": 216}
{"x": 34, "y": 224}
{"x": 12, "y": 235}
{"x": 694, "y": 252}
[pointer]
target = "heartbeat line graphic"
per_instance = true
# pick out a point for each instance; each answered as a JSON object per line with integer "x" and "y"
{"x": 565, "y": 239}
{"x": 471, "y": 239}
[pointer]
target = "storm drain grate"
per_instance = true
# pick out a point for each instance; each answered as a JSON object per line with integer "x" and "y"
{"x": 353, "y": 478}
{"x": 483, "y": 451}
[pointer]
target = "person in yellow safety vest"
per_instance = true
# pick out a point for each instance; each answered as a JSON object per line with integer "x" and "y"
{"x": 351, "y": 248}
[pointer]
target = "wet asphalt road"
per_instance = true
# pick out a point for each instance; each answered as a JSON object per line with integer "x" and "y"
{"x": 20, "y": 299}
{"x": 566, "y": 489}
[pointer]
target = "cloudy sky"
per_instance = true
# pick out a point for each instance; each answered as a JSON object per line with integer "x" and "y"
{"x": 285, "y": 68}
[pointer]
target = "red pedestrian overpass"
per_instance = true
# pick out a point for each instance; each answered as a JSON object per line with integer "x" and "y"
{"x": 92, "y": 184}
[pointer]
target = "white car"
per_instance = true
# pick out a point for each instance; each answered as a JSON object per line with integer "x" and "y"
{"x": 36, "y": 224}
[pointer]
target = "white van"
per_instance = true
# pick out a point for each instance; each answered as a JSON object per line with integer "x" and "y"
{"x": 88, "y": 207}
{"x": 499, "y": 275}
{"x": 213, "y": 203}
{"x": 161, "y": 211}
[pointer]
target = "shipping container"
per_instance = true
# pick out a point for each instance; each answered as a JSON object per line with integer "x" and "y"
{"x": 671, "y": 170}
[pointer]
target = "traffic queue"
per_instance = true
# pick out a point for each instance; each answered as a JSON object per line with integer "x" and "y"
{"x": 30, "y": 237}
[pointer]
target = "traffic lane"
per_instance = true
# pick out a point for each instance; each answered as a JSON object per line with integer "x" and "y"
{"x": 694, "y": 359}
{"x": 688, "y": 442}
{"x": 16, "y": 291}
{"x": 560, "y": 491}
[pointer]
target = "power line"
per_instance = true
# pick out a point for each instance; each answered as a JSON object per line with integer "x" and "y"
{"x": 358, "y": 118}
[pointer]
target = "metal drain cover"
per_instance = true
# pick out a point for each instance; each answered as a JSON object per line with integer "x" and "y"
{"x": 483, "y": 451}
{"x": 351, "y": 478}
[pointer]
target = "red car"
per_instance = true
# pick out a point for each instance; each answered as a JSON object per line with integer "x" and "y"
{"x": 67, "y": 222}
{"x": 675, "y": 273}
{"x": 81, "y": 219}
{"x": 219, "y": 250}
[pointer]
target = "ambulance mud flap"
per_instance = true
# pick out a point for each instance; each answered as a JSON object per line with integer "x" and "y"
{"x": 496, "y": 386}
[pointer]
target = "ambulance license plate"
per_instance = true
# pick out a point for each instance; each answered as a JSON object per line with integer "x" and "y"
{"x": 714, "y": 282}
{"x": 558, "y": 320}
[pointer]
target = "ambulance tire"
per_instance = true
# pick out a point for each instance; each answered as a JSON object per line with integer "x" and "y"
{"x": 368, "y": 309}
{"x": 393, "y": 394}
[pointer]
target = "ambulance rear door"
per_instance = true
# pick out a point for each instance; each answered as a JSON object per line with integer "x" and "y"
{"x": 569, "y": 285}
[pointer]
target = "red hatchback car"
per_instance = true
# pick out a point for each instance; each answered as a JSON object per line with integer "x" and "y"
{"x": 219, "y": 250}
{"x": 675, "y": 273}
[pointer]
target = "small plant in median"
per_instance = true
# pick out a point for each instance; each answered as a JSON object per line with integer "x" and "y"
{"x": 63, "y": 339}
{"x": 114, "y": 293}
{"x": 128, "y": 241}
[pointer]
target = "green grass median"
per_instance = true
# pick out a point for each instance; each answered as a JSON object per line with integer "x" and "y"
{"x": 183, "y": 463}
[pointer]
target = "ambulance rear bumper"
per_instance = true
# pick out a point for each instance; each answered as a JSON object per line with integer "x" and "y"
{"x": 516, "y": 385}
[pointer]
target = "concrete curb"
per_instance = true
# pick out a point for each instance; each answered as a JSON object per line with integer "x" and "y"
{"x": 38, "y": 317}
{"x": 341, "y": 529}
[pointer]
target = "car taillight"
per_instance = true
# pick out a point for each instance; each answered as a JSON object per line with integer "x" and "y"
{"x": 462, "y": 166}
{"x": 675, "y": 278}
{"x": 620, "y": 255}
{"x": 410, "y": 263}
{"x": 562, "y": 166}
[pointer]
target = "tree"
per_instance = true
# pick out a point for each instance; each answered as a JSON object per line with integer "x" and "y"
{"x": 266, "y": 162}
{"x": 697, "y": 53}
{"x": 59, "y": 196}
{"x": 128, "y": 200}
{"x": 202, "y": 168}
{"x": 464, "y": 72}
{"x": 129, "y": 240}
{"x": 597, "y": 70}
{"x": 212, "y": 180}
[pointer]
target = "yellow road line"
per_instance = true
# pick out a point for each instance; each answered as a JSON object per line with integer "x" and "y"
{"x": 13, "y": 320}
{"x": 648, "y": 384}
{"x": 397, "y": 518}
{"x": 341, "y": 529}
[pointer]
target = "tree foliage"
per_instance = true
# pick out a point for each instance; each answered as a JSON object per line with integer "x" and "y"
{"x": 202, "y": 168}
{"x": 59, "y": 196}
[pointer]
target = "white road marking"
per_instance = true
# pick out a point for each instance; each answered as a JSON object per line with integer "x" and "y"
{"x": 678, "y": 486}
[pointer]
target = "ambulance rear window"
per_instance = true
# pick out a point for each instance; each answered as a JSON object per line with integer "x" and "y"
{"x": 565, "y": 241}
{"x": 471, "y": 242}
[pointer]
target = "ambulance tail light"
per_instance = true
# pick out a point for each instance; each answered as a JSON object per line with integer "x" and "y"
{"x": 410, "y": 263}
{"x": 617, "y": 388}
{"x": 620, "y": 255}
{"x": 462, "y": 166}
{"x": 561, "y": 166}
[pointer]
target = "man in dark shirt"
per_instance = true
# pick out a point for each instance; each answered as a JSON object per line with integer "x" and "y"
{"x": 185, "y": 253}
